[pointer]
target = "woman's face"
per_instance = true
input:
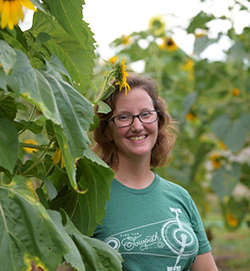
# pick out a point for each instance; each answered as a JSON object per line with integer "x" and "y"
{"x": 139, "y": 138}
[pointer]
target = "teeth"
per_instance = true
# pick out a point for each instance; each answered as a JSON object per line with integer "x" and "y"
{"x": 138, "y": 138}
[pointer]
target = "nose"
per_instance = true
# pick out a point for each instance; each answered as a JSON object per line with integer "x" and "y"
{"x": 137, "y": 125}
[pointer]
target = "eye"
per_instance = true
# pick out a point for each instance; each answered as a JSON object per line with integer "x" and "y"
{"x": 146, "y": 114}
{"x": 123, "y": 117}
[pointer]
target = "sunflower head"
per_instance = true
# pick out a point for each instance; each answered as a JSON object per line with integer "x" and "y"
{"x": 216, "y": 160}
{"x": 232, "y": 220}
{"x": 168, "y": 44}
{"x": 126, "y": 40}
{"x": 113, "y": 59}
{"x": 235, "y": 92}
{"x": 157, "y": 26}
{"x": 192, "y": 115}
{"x": 12, "y": 11}
{"x": 121, "y": 75}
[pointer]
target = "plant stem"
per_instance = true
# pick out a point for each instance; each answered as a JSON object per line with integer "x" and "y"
{"x": 104, "y": 87}
{"x": 40, "y": 157}
{"x": 30, "y": 119}
{"x": 32, "y": 146}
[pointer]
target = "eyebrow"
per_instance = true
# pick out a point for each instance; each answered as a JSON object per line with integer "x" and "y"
{"x": 127, "y": 112}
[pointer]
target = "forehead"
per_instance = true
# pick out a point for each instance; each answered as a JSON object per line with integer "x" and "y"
{"x": 136, "y": 99}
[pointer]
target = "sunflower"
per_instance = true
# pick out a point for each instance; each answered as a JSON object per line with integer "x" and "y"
{"x": 29, "y": 141}
{"x": 216, "y": 160}
{"x": 192, "y": 115}
{"x": 57, "y": 156}
{"x": 231, "y": 220}
{"x": 121, "y": 76}
{"x": 113, "y": 59}
{"x": 126, "y": 40}
{"x": 235, "y": 92}
{"x": 189, "y": 67}
{"x": 157, "y": 26}
{"x": 11, "y": 11}
{"x": 168, "y": 44}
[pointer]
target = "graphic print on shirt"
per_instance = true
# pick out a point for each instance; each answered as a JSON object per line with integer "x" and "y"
{"x": 168, "y": 238}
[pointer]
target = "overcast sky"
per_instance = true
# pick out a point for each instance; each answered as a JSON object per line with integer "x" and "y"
{"x": 111, "y": 19}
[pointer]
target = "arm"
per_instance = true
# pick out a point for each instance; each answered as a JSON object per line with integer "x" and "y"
{"x": 204, "y": 262}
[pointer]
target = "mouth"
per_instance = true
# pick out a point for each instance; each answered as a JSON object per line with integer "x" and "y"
{"x": 138, "y": 138}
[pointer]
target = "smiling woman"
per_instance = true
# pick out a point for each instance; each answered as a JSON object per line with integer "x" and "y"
{"x": 152, "y": 222}
{"x": 12, "y": 10}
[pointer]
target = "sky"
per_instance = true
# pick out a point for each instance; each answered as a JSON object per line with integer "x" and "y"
{"x": 110, "y": 19}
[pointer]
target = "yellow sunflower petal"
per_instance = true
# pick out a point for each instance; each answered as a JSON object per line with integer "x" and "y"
{"x": 56, "y": 156}
{"x": 113, "y": 59}
{"x": 1, "y": 5}
{"x": 27, "y": 4}
{"x": 30, "y": 141}
{"x": 62, "y": 162}
{"x": 5, "y": 14}
{"x": 15, "y": 12}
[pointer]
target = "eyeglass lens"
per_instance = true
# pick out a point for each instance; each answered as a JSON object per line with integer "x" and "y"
{"x": 127, "y": 119}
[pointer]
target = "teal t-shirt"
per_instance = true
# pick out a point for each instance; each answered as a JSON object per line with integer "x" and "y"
{"x": 157, "y": 228}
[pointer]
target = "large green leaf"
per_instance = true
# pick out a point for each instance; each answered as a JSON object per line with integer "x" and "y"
{"x": 69, "y": 15}
{"x": 8, "y": 108}
{"x": 96, "y": 254}
{"x": 232, "y": 133}
{"x": 86, "y": 210}
{"x": 70, "y": 112}
{"x": 7, "y": 56}
{"x": 3, "y": 84}
{"x": 202, "y": 43}
{"x": 224, "y": 180}
{"x": 28, "y": 125}
{"x": 8, "y": 145}
{"x": 78, "y": 60}
{"x": 73, "y": 256}
{"x": 27, "y": 233}
{"x": 188, "y": 102}
{"x": 33, "y": 87}
{"x": 199, "y": 21}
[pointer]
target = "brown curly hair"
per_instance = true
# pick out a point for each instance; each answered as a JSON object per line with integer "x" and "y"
{"x": 161, "y": 152}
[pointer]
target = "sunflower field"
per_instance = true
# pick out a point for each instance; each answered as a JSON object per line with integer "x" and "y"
{"x": 210, "y": 101}
{"x": 53, "y": 188}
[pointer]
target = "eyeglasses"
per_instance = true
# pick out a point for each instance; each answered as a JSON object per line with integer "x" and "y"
{"x": 125, "y": 120}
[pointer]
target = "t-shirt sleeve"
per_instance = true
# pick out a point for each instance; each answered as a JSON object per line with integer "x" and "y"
{"x": 198, "y": 228}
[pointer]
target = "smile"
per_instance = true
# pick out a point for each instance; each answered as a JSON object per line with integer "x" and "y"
{"x": 138, "y": 138}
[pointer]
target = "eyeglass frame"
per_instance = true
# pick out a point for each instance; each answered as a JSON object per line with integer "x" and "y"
{"x": 135, "y": 116}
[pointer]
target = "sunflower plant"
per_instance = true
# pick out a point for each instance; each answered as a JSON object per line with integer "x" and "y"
{"x": 53, "y": 188}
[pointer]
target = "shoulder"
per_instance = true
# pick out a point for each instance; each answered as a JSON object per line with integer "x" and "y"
{"x": 171, "y": 185}
{"x": 174, "y": 189}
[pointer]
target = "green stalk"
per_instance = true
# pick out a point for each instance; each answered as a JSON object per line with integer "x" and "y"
{"x": 104, "y": 87}
{"x": 30, "y": 119}
{"x": 40, "y": 157}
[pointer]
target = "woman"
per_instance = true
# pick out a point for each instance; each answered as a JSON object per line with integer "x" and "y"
{"x": 152, "y": 222}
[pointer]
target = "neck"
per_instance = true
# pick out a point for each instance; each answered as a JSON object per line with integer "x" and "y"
{"x": 134, "y": 174}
